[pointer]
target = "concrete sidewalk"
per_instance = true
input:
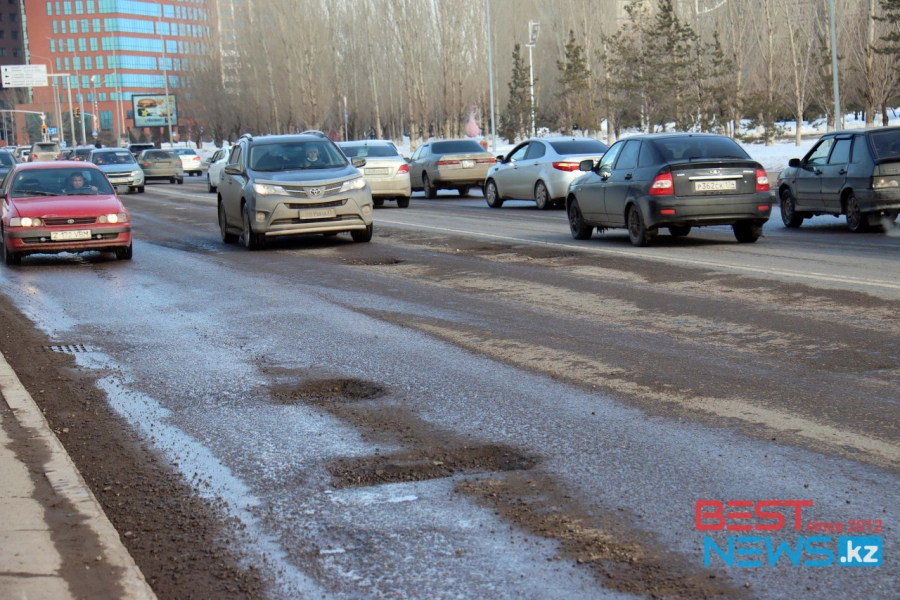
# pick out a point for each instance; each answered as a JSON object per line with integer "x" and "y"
{"x": 53, "y": 531}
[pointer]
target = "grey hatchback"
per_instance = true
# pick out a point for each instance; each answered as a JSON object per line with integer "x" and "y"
{"x": 283, "y": 185}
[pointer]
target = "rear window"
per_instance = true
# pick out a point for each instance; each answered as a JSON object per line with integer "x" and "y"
{"x": 579, "y": 147}
{"x": 46, "y": 148}
{"x": 886, "y": 144}
{"x": 456, "y": 146}
{"x": 375, "y": 150}
{"x": 697, "y": 147}
{"x": 184, "y": 151}
{"x": 159, "y": 155}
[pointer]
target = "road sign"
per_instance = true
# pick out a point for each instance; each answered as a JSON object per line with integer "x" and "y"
{"x": 23, "y": 76}
{"x": 63, "y": 144}
{"x": 52, "y": 130}
{"x": 94, "y": 134}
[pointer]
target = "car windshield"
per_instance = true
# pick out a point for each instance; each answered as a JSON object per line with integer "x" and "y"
{"x": 117, "y": 157}
{"x": 375, "y": 150}
{"x": 60, "y": 182}
{"x": 455, "y": 146}
{"x": 290, "y": 156}
{"x": 570, "y": 147}
{"x": 886, "y": 144}
{"x": 697, "y": 147}
{"x": 7, "y": 159}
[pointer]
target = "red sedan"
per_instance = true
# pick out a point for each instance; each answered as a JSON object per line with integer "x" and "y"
{"x": 64, "y": 206}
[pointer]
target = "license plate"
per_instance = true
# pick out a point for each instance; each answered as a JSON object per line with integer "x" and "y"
{"x": 711, "y": 186}
{"x": 468, "y": 164}
{"x": 378, "y": 171}
{"x": 115, "y": 181}
{"x": 76, "y": 234}
{"x": 320, "y": 213}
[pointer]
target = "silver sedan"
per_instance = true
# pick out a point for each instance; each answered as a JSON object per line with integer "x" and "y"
{"x": 540, "y": 169}
{"x": 449, "y": 164}
{"x": 386, "y": 171}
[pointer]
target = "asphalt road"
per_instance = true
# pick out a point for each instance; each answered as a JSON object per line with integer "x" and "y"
{"x": 477, "y": 405}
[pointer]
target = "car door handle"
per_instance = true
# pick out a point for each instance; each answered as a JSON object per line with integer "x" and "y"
{"x": 818, "y": 171}
{"x": 842, "y": 172}
{"x": 628, "y": 176}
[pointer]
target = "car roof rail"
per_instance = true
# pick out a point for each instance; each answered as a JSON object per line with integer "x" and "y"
{"x": 247, "y": 136}
{"x": 313, "y": 132}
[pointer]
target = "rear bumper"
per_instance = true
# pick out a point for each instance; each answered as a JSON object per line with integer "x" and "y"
{"x": 390, "y": 187}
{"x": 460, "y": 177}
{"x": 37, "y": 241}
{"x": 878, "y": 200}
{"x": 708, "y": 210}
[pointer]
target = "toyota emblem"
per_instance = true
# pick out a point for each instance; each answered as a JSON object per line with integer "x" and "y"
{"x": 71, "y": 221}
{"x": 715, "y": 171}
{"x": 315, "y": 192}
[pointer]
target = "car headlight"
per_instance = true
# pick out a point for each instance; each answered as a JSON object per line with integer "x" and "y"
{"x": 357, "y": 183}
{"x": 24, "y": 222}
{"x": 267, "y": 190}
{"x": 113, "y": 218}
{"x": 136, "y": 173}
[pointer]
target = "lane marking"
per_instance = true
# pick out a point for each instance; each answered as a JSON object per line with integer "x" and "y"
{"x": 656, "y": 258}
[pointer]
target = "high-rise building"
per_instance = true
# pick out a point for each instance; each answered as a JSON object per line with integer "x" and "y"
{"x": 12, "y": 52}
{"x": 112, "y": 51}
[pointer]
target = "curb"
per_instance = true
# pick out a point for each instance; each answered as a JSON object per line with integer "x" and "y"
{"x": 68, "y": 483}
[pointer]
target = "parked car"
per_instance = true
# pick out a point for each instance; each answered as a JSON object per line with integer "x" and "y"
{"x": 852, "y": 173}
{"x": 676, "y": 181}
{"x": 540, "y": 168}
{"x": 449, "y": 164}
{"x": 216, "y": 164}
{"x": 61, "y": 207}
{"x": 386, "y": 171}
{"x": 161, "y": 164}
{"x": 83, "y": 153}
{"x": 137, "y": 147}
{"x": 290, "y": 185}
{"x": 43, "y": 151}
{"x": 190, "y": 160}
{"x": 120, "y": 167}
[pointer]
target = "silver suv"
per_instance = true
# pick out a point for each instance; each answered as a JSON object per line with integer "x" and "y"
{"x": 290, "y": 185}
{"x": 43, "y": 151}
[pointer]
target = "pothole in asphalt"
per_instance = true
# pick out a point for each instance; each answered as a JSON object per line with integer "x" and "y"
{"x": 416, "y": 466}
{"x": 374, "y": 262}
{"x": 328, "y": 390}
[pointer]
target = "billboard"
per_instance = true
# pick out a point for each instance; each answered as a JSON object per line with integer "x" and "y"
{"x": 154, "y": 110}
{"x": 24, "y": 75}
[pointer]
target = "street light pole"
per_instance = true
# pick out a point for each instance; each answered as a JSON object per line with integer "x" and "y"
{"x": 165, "y": 80}
{"x": 533, "y": 29}
{"x": 491, "y": 79}
{"x": 834, "y": 70}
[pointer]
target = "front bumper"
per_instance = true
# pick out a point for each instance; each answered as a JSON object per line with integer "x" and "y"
{"x": 707, "y": 210}
{"x": 36, "y": 240}
{"x": 129, "y": 181}
{"x": 286, "y": 215}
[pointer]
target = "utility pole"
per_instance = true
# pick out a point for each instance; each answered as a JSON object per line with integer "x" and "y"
{"x": 834, "y": 70}
{"x": 533, "y": 28}
{"x": 491, "y": 79}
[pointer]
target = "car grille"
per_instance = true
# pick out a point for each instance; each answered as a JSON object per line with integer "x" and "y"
{"x": 304, "y": 191}
{"x": 332, "y": 204}
{"x": 119, "y": 175}
{"x": 72, "y": 221}
{"x": 307, "y": 221}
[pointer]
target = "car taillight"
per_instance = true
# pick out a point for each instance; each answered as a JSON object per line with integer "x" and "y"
{"x": 33, "y": 156}
{"x": 403, "y": 169}
{"x": 448, "y": 163}
{"x": 762, "y": 181}
{"x": 197, "y": 158}
{"x": 489, "y": 161}
{"x": 662, "y": 185}
{"x": 146, "y": 163}
{"x": 566, "y": 166}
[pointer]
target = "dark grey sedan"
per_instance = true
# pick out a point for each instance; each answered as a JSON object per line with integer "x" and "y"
{"x": 674, "y": 181}
{"x": 846, "y": 173}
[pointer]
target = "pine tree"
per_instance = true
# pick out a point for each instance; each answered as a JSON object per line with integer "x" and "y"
{"x": 518, "y": 109}
{"x": 573, "y": 77}
{"x": 890, "y": 14}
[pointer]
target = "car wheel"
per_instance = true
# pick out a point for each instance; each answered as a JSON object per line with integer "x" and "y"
{"x": 637, "y": 230}
{"x": 125, "y": 253}
{"x": 491, "y": 195}
{"x": 140, "y": 189}
{"x": 789, "y": 215}
{"x": 9, "y": 258}
{"x": 679, "y": 230}
{"x": 430, "y": 192}
{"x": 171, "y": 180}
{"x": 541, "y": 196}
{"x": 210, "y": 188}
{"x": 362, "y": 235}
{"x": 252, "y": 241}
{"x": 180, "y": 180}
{"x": 403, "y": 202}
{"x": 463, "y": 191}
{"x": 580, "y": 230}
{"x": 857, "y": 222}
{"x": 227, "y": 238}
{"x": 378, "y": 201}
{"x": 747, "y": 232}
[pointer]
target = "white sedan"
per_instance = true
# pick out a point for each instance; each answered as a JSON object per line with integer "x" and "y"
{"x": 216, "y": 164}
{"x": 190, "y": 160}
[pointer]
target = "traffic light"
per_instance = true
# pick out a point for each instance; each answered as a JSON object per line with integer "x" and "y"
{"x": 44, "y": 128}
{"x": 77, "y": 113}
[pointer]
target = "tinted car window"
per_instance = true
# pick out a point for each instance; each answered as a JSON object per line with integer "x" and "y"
{"x": 7, "y": 159}
{"x": 860, "y": 150}
{"x": 159, "y": 155}
{"x": 628, "y": 156}
{"x": 457, "y": 146}
{"x": 820, "y": 153}
{"x": 579, "y": 147}
{"x": 375, "y": 150}
{"x": 693, "y": 147}
{"x": 647, "y": 157}
{"x": 610, "y": 157}
{"x": 535, "y": 150}
{"x": 841, "y": 153}
{"x": 886, "y": 144}
{"x": 46, "y": 148}
{"x": 184, "y": 151}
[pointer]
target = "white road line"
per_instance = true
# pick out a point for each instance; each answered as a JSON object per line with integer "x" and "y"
{"x": 822, "y": 277}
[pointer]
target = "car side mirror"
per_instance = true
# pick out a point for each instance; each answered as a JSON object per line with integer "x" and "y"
{"x": 358, "y": 162}
{"x": 586, "y": 165}
{"x": 500, "y": 158}
{"x": 233, "y": 169}
{"x": 794, "y": 162}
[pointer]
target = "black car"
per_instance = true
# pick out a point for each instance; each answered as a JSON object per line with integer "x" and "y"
{"x": 137, "y": 147}
{"x": 677, "y": 181}
{"x": 853, "y": 173}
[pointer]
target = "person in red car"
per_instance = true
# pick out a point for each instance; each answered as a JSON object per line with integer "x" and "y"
{"x": 76, "y": 185}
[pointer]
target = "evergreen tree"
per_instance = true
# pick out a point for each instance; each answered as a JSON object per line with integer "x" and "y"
{"x": 891, "y": 15}
{"x": 573, "y": 77}
{"x": 517, "y": 119}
